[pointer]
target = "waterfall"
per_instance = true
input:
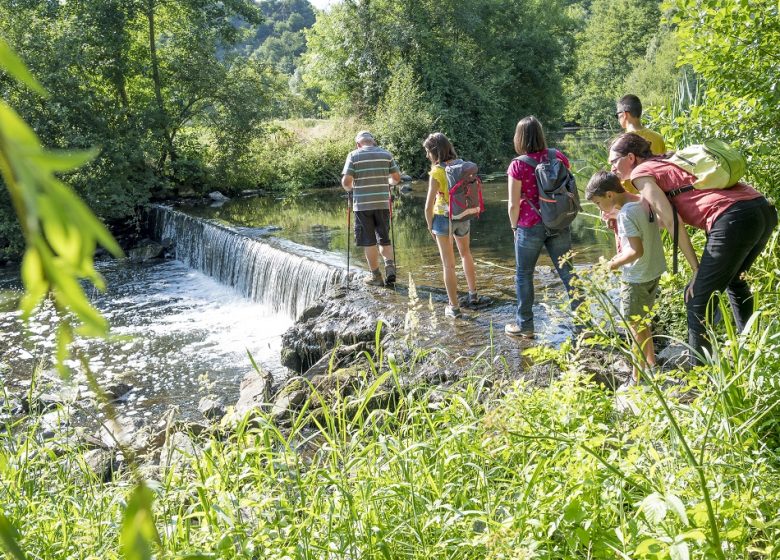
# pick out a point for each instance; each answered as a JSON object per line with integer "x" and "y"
{"x": 283, "y": 275}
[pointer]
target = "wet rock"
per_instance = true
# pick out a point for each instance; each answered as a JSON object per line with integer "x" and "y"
{"x": 101, "y": 463}
{"x": 340, "y": 356}
{"x": 118, "y": 391}
{"x": 131, "y": 434}
{"x": 288, "y": 402}
{"x": 178, "y": 451}
{"x": 255, "y": 392}
{"x": 674, "y": 356}
{"x": 11, "y": 405}
{"x": 212, "y": 408}
{"x": 51, "y": 422}
{"x": 340, "y": 383}
{"x": 146, "y": 250}
{"x": 406, "y": 178}
{"x": 218, "y": 196}
{"x": 43, "y": 402}
{"x": 341, "y": 317}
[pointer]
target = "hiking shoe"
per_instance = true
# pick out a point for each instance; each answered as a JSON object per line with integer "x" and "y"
{"x": 373, "y": 280}
{"x": 474, "y": 301}
{"x": 452, "y": 312}
{"x": 512, "y": 329}
{"x": 389, "y": 275}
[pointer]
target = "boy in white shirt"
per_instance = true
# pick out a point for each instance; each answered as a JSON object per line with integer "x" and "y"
{"x": 641, "y": 257}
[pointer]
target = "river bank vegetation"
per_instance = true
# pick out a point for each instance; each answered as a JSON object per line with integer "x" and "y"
{"x": 491, "y": 467}
{"x": 185, "y": 97}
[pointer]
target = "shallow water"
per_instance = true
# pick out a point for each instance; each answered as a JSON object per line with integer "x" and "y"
{"x": 178, "y": 335}
{"x": 181, "y": 334}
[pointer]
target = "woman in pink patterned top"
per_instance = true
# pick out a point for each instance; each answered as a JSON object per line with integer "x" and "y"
{"x": 530, "y": 235}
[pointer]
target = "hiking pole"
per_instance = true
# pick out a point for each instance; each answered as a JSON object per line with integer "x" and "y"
{"x": 392, "y": 226}
{"x": 349, "y": 228}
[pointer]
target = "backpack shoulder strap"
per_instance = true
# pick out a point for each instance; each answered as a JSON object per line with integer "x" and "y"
{"x": 552, "y": 154}
{"x": 528, "y": 160}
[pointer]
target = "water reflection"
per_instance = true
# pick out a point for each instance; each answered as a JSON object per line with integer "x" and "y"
{"x": 319, "y": 219}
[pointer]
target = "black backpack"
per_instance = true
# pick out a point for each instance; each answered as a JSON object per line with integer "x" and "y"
{"x": 559, "y": 200}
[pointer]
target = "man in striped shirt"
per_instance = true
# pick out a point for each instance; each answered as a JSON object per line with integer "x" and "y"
{"x": 365, "y": 175}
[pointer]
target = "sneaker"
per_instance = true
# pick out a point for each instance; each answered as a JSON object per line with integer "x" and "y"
{"x": 473, "y": 301}
{"x": 390, "y": 275}
{"x": 452, "y": 312}
{"x": 513, "y": 330}
{"x": 373, "y": 279}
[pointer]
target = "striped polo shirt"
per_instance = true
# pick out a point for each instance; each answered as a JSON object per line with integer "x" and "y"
{"x": 370, "y": 166}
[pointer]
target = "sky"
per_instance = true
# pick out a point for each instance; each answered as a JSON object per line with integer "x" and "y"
{"x": 321, "y": 4}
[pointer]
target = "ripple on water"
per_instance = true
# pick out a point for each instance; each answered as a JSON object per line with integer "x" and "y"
{"x": 177, "y": 335}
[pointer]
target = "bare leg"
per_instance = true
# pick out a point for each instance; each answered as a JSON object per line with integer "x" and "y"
{"x": 387, "y": 253}
{"x": 372, "y": 256}
{"x": 464, "y": 248}
{"x": 448, "y": 263}
{"x": 644, "y": 350}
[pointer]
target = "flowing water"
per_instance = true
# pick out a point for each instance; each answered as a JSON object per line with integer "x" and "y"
{"x": 178, "y": 335}
{"x": 244, "y": 270}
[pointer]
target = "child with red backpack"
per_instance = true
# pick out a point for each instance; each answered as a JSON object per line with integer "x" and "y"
{"x": 439, "y": 211}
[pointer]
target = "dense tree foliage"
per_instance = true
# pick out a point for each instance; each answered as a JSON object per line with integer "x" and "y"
{"x": 479, "y": 66}
{"x": 734, "y": 48}
{"x": 615, "y": 36}
{"x": 142, "y": 80}
{"x": 280, "y": 39}
{"x": 183, "y": 96}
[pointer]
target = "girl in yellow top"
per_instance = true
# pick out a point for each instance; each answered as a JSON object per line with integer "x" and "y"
{"x": 440, "y": 152}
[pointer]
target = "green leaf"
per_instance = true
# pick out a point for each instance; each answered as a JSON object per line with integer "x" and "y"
{"x": 138, "y": 532}
{"x": 654, "y": 507}
{"x": 61, "y": 161}
{"x": 8, "y": 538}
{"x": 648, "y": 547}
{"x": 676, "y": 505}
{"x": 679, "y": 551}
{"x": 16, "y": 68}
{"x": 35, "y": 283}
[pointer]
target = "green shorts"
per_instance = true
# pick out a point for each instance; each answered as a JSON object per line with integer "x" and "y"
{"x": 638, "y": 299}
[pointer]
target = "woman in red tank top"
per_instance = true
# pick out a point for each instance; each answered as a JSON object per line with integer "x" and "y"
{"x": 738, "y": 222}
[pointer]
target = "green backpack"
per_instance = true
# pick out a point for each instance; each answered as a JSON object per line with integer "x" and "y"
{"x": 715, "y": 164}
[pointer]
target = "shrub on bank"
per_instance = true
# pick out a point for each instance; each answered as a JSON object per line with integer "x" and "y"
{"x": 295, "y": 155}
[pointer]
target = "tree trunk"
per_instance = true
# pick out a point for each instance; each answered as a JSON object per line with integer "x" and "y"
{"x": 168, "y": 149}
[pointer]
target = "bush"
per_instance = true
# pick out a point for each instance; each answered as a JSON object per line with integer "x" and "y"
{"x": 295, "y": 155}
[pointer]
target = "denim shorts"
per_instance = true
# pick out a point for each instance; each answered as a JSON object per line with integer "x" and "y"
{"x": 637, "y": 298}
{"x": 441, "y": 226}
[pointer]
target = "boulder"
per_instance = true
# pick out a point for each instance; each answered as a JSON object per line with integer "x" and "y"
{"x": 674, "y": 356}
{"x": 212, "y": 408}
{"x": 146, "y": 250}
{"x": 255, "y": 392}
{"x": 218, "y": 196}
{"x": 288, "y": 402}
{"x": 118, "y": 391}
{"x": 101, "y": 463}
{"x": 342, "y": 317}
{"x": 178, "y": 450}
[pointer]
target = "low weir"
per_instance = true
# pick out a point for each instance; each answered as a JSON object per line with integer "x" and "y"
{"x": 285, "y": 276}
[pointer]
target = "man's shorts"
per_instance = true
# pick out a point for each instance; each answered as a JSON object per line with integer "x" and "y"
{"x": 441, "y": 226}
{"x": 372, "y": 227}
{"x": 634, "y": 298}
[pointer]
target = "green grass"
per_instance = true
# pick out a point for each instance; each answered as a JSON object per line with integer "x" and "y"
{"x": 495, "y": 469}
